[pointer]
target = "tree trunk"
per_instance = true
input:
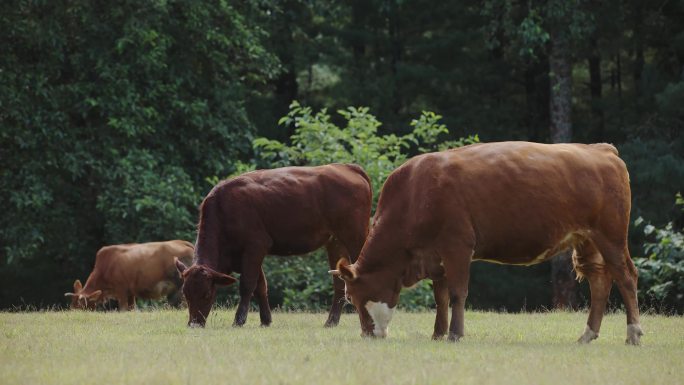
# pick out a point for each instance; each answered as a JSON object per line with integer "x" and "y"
{"x": 395, "y": 54}
{"x": 358, "y": 48}
{"x": 595, "y": 88}
{"x": 562, "y": 275}
{"x": 561, "y": 92}
{"x": 638, "y": 52}
{"x": 286, "y": 87}
{"x": 564, "y": 282}
{"x": 537, "y": 97}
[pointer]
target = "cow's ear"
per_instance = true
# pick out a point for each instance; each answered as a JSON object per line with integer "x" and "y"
{"x": 94, "y": 296}
{"x": 180, "y": 266}
{"x": 346, "y": 271}
{"x": 222, "y": 279}
{"x": 77, "y": 286}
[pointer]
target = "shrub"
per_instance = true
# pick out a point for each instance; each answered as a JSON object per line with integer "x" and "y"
{"x": 302, "y": 283}
{"x": 661, "y": 272}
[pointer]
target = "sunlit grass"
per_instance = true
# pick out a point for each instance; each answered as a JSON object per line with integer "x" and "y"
{"x": 155, "y": 347}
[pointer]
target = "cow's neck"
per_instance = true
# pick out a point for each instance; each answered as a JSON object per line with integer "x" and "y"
{"x": 93, "y": 283}
{"x": 386, "y": 264}
{"x": 207, "y": 250}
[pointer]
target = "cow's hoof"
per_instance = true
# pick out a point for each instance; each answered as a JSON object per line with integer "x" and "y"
{"x": 634, "y": 334}
{"x": 331, "y": 323}
{"x": 238, "y": 323}
{"x": 240, "y": 319}
{"x": 453, "y": 337}
{"x": 588, "y": 336}
{"x": 265, "y": 320}
{"x": 438, "y": 336}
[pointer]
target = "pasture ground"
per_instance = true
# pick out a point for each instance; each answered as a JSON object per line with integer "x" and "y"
{"x": 155, "y": 347}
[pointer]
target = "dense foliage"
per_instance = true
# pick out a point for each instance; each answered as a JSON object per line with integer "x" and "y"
{"x": 117, "y": 117}
{"x": 661, "y": 272}
{"x": 107, "y": 111}
{"x": 303, "y": 282}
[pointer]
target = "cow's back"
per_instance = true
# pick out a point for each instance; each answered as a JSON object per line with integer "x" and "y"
{"x": 139, "y": 267}
{"x": 293, "y": 209}
{"x": 515, "y": 201}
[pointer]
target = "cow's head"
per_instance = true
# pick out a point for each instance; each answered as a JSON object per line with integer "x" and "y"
{"x": 374, "y": 298}
{"x": 199, "y": 289}
{"x": 82, "y": 300}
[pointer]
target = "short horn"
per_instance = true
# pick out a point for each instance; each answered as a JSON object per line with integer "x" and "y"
{"x": 69, "y": 294}
{"x": 334, "y": 273}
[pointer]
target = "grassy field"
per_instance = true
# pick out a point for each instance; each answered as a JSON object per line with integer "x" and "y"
{"x": 155, "y": 347}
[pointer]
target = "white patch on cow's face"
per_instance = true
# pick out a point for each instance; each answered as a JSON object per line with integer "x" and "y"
{"x": 381, "y": 315}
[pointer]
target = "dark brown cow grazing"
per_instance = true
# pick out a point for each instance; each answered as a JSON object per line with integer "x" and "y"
{"x": 285, "y": 211}
{"x": 124, "y": 272}
{"x": 510, "y": 202}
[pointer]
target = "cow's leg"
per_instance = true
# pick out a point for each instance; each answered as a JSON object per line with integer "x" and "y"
{"x": 261, "y": 293}
{"x": 336, "y": 251}
{"x": 625, "y": 276}
{"x": 249, "y": 278}
{"x": 131, "y": 302}
{"x": 457, "y": 270}
{"x": 599, "y": 286}
{"x": 123, "y": 301}
{"x": 589, "y": 263}
{"x": 441, "y": 292}
{"x": 623, "y": 271}
{"x": 175, "y": 298}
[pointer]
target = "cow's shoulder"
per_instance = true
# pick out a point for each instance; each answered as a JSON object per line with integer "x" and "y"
{"x": 233, "y": 186}
{"x": 110, "y": 252}
{"x": 110, "y": 256}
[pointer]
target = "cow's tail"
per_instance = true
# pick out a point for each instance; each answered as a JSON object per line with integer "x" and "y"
{"x": 606, "y": 147}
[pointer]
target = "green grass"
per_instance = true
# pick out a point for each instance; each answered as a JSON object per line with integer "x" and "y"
{"x": 155, "y": 347}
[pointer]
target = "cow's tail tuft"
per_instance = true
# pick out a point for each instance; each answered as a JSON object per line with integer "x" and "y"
{"x": 577, "y": 266}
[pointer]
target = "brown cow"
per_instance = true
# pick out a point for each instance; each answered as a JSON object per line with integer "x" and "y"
{"x": 285, "y": 211}
{"x": 510, "y": 202}
{"x": 123, "y": 272}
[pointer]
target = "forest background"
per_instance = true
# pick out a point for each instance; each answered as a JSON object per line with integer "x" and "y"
{"x": 116, "y": 118}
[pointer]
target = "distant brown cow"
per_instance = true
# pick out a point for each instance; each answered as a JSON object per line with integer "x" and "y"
{"x": 510, "y": 202}
{"x": 285, "y": 211}
{"x": 123, "y": 272}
